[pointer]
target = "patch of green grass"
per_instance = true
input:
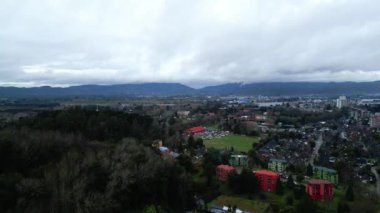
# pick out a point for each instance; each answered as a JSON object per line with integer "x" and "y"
{"x": 241, "y": 203}
{"x": 199, "y": 178}
{"x": 239, "y": 142}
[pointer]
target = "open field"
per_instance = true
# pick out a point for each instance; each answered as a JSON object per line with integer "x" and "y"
{"x": 239, "y": 142}
{"x": 241, "y": 203}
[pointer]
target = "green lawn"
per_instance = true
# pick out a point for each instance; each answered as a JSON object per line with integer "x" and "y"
{"x": 241, "y": 203}
{"x": 239, "y": 142}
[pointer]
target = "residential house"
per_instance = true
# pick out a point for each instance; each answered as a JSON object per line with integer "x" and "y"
{"x": 267, "y": 180}
{"x": 325, "y": 174}
{"x": 222, "y": 172}
{"x": 239, "y": 160}
{"x": 277, "y": 165}
{"x": 319, "y": 189}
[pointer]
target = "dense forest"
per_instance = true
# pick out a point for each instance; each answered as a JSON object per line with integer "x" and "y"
{"x": 86, "y": 161}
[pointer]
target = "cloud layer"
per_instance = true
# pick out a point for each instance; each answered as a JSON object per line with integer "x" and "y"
{"x": 70, "y": 42}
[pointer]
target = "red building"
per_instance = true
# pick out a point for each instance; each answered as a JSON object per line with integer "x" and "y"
{"x": 222, "y": 172}
{"x": 196, "y": 129}
{"x": 319, "y": 189}
{"x": 267, "y": 180}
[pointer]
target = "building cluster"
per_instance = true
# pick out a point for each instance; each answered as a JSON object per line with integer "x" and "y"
{"x": 295, "y": 151}
{"x": 206, "y": 133}
{"x": 320, "y": 187}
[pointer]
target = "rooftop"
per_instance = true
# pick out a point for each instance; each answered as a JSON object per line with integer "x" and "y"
{"x": 318, "y": 181}
{"x": 225, "y": 167}
{"x": 195, "y": 129}
{"x": 278, "y": 160}
{"x": 266, "y": 172}
{"x": 325, "y": 169}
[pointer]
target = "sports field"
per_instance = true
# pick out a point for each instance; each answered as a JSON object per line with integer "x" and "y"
{"x": 239, "y": 142}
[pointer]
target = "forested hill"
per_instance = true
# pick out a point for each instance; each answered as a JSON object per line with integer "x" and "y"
{"x": 176, "y": 89}
{"x": 87, "y": 161}
{"x": 106, "y": 125}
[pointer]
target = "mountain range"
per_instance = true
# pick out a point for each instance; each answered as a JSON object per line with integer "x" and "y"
{"x": 177, "y": 89}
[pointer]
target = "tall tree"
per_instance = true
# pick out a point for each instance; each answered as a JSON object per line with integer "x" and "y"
{"x": 290, "y": 182}
{"x": 350, "y": 193}
{"x": 279, "y": 188}
{"x": 305, "y": 205}
{"x": 309, "y": 170}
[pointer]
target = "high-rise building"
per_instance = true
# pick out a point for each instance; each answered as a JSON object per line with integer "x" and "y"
{"x": 341, "y": 102}
{"x": 374, "y": 120}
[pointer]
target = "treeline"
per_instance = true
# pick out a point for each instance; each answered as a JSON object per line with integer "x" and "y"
{"x": 86, "y": 161}
{"x": 107, "y": 125}
{"x": 298, "y": 117}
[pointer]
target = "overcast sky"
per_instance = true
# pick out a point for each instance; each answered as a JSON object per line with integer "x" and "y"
{"x": 197, "y": 42}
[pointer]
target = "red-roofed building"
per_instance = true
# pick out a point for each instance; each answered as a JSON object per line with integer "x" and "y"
{"x": 319, "y": 189}
{"x": 196, "y": 129}
{"x": 267, "y": 180}
{"x": 222, "y": 172}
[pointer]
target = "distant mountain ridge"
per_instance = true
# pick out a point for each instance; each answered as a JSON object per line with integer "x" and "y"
{"x": 177, "y": 89}
{"x": 144, "y": 89}
{"x": 297, "y": 88}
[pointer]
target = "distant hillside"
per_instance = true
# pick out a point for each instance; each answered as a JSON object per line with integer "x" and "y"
{"x": 295, "y": 88}
{"x": 174, "y": 89}
{"x": 145, "y": 89}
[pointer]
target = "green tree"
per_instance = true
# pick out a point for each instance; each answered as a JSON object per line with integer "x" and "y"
{"x": 299, "y": 192}
{"x": 299, "y": 178}
{"x": 291, "y": 168}
{"x": 309, "y": 170}
{"x": 290, "y": 182}
{"x": 343, "y": 207}
{"x": 289, "y": 200}
{"x": 279, "y": 188}
{"x": 306, "y": 205}
{"x": 350, "y": 193}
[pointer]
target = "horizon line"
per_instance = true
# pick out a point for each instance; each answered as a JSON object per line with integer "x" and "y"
{"x": 58, "y": 86}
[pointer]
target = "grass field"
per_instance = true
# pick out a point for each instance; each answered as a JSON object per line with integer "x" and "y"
{"x": 241, "y": 203}
{"x": 239, "y": 142}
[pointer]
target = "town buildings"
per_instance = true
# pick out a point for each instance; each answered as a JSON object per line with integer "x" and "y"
{"x": 222, "y": 172}
{"x": 267, "y": 180}
{"x": 374, "y": 120}
{"x": 277, "y": 165}
{"x": 239, "y": 160}
{"x": 319, "y": 189}
{"x": 325, "y": 174}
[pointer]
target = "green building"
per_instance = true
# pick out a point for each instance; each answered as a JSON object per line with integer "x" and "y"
{"x": 239, "y": 160}
{"x": 277, "y": 165}
{"x": 325, "y": 174}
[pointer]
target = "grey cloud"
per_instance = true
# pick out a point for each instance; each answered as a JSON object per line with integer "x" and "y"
{"x": 193, "y": 42}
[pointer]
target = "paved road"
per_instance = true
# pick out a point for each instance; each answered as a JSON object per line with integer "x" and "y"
{"x": 318, "y": 144}
{"x": 374, "y": 171}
